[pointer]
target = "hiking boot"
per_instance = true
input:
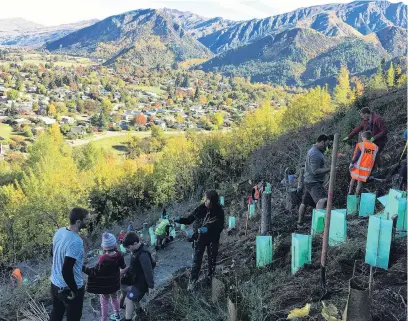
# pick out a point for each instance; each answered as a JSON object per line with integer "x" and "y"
{"x": 141, "y": 312}
{"x": 115, "y": 317}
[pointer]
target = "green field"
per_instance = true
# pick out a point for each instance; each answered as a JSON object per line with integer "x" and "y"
{"x": 117, "y": 144}
{"x": 5, "y": 131}
{"x": 152, "y": 89}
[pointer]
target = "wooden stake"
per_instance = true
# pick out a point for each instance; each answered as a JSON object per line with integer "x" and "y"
{"x": 328, "y": 211}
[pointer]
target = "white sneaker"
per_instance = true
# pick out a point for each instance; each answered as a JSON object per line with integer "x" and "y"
{"x": 115, "y": 317}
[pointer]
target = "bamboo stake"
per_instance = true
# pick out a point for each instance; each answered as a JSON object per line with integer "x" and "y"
{"x": 328, "y": 211}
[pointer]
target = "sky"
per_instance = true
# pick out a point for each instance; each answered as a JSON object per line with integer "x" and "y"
{"x": 55, "y": 12}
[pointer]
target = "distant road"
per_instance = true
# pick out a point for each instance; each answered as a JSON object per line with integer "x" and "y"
{"x": 108, "y": 134}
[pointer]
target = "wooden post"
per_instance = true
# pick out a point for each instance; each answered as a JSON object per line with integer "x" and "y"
{"x": 266, "y": 220}
{"x": 328, "y": 211}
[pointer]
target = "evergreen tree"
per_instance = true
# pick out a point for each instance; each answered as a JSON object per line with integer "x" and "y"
{"x": 397, "y": 74}
{"x": 186, "y": 81}
{"x": 343, "y": 95}
{"x": 197, "y": 93}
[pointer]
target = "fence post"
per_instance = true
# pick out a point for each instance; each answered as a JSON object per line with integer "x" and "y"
{"x": 266, "y": 220}
{"x": 328, "y": 211}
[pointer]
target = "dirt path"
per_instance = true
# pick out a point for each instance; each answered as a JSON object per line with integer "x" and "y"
{"x": 176, "y": 256}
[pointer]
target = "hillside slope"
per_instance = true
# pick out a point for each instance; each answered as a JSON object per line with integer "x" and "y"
{"x": 358, "y": 17}
{"x": 297, "y": 57}
{"x": 269, "y": 293}
{"x": 117, "y": 35}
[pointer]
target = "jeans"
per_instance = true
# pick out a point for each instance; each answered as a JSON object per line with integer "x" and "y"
{"x": 212, "y": 252}
{"x": 60, "y": 305}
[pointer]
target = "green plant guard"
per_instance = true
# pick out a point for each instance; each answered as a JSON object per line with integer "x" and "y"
{"x": 263, "y": 250}
{"x": 222, "y": 200}
{"x": 318, "y": 218}
{"x": 301, "y": 251}
{"x": 251, "y": 210}
{"x": 367, "y": 204}
{"x": 379, "y": 238}
{"x": 231, "y": 222}
{"x": 352, "y": 204}
{"x": 338, "y": 227}
{"x": 391, "y": 208}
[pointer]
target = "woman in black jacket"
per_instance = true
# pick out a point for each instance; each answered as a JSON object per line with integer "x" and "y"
{"x": 209, "y": 217}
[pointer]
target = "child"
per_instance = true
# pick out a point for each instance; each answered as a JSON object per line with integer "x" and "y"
{"x": 121, "y": 236}
{"x": 104, "y": 278}
{"x": 139, "y": 276}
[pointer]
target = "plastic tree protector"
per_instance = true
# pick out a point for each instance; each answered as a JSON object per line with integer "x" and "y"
{"x": 383, "y": 200}
{"x": 338, "y": 227}
{"x": 391, "y": 208}
{"x": 152, "y": 236}
{"x": 352, "y": 204}
{"x": 367, "y": 204}
{"x": 263, "y": 250}
{"x": 301, "y": 251}
{"x": 252, "y": 210}
{"x": 402, "y": 217}
{"x": 268, "y": 188}
{"x": 222, "y": 200}
{"x": 318, "y": 218}
{"x": 378, "y": 242}
{"x": 231, "y": 222}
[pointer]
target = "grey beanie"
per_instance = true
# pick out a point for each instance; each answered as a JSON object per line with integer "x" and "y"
{"x": 108, "y": 241}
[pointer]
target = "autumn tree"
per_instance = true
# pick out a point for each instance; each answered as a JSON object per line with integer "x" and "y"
{"x": 52, "y": 111}
{"x": 391, "y": 76}
{"x": 343, "y": 96}
{"x": 140, "y": 120}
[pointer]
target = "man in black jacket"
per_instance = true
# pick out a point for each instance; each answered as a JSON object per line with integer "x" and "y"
{"x": 139, "y": 275}
{"x": 209, "y": 217}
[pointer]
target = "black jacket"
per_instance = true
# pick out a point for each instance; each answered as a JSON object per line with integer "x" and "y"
{"x": 140, "y": 272}
{"x": 213, "y": 219}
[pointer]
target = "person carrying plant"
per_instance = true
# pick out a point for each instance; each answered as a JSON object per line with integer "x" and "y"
{"x": 362, "y": 163}
{"x": 104, "y": 278}
{"x": 210, "y": 217}
{"x": 162, "y": 232}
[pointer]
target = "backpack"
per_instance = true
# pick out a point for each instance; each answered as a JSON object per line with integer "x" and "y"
{"x": 129, "y": 279}
{"x": 154, "y": 263}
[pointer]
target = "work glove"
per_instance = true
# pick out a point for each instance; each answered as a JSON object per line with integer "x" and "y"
{"x": 203, "y": 229}
{"x": 372, "y": 139}
{"x": 345, "y": 139}
{"x": 177, "y": 220}
{"x": 351, "y": 166}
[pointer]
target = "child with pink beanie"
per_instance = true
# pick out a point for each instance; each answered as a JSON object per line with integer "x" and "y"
{"x": 104, "y": 278}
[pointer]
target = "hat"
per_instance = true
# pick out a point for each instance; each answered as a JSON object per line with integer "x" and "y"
{"x": 108, "y": 241}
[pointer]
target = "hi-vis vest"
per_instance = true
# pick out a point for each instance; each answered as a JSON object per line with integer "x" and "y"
{"x": 17, "y": 275}
{"x": 256, "y": 192}
{"x": 364, "y": 165}
{"x": 161, "y": 228}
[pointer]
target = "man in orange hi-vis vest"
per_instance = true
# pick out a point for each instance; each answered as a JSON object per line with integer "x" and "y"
{"x": 363, "y": 162}
{"x": 16, "y": 278}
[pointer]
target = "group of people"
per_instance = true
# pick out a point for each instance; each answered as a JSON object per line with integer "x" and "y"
{"x": 111, "y": 275}
{"x": 366, "y": 155}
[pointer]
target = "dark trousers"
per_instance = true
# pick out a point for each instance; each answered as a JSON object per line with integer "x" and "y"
{"x": 212, "y": 252}
{"x": 60, "y": 306}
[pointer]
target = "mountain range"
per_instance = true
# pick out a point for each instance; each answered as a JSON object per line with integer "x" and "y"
{"x": 24, "y": 33}
{"x": 295, "y": 48}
